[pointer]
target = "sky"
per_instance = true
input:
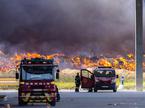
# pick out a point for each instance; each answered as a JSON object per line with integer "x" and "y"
{"x": 69, "y": 26}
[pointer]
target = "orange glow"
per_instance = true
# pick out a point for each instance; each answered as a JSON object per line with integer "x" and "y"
{"x": 8, "y": 63}
{"x": 121, "y": 62}
{"x": 19, "y": 57}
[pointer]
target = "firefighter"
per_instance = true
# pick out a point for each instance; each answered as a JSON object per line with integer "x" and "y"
{"x": 122, "y": 80}
{"x": 77, "y": 82}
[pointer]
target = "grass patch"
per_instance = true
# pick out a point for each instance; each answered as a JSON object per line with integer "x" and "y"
{"x": 7, "y": 79}
{"x": 65, "y": 85}
{"x": 129, "y": 85}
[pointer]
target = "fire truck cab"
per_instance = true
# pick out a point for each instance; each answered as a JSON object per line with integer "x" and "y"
{"x": 102, "y": 78}
{"x": 36, "y": 81}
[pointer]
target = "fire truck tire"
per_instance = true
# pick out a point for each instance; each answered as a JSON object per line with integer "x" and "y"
{"x": 22, "y": 103}
{"x": 114, "y": 90}
{"x": 76, "y": 90}
{"x": 58, "y": 97}
{"x": 53, "y": 103}
{"x": 95, "y": 90}
{"x": 90, "y": 90}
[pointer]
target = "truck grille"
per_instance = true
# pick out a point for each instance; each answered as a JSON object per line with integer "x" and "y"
{"x": 37, "y": 93}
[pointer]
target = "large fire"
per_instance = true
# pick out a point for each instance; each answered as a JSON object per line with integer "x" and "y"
{"x": 127, "y": 63}
{"x": 19, "y": 57}
{"x": 8, "y": 63}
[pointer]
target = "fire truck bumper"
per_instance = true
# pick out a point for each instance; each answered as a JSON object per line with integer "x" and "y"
{"x": 39, "y": 99}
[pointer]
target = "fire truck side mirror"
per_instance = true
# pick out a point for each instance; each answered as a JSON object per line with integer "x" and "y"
{"x": 58, "y": 71}
{"x": 17, "y": 75}
{"x": 57, "y": 74}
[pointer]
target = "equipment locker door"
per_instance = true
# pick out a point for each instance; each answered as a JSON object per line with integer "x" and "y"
{"x": 87, "y": 79}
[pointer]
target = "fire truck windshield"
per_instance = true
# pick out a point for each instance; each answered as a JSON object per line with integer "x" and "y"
{"x": 37, "y": 73}
{"x": 104, "y": 73}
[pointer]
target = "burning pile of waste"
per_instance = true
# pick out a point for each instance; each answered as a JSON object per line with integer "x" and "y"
{"x": 8, "y": 63}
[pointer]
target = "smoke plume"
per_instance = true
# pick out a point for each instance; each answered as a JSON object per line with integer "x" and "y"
{"x": 69, "y": 26}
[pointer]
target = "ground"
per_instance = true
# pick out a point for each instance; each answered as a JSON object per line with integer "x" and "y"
{"x": 103, "y": 99}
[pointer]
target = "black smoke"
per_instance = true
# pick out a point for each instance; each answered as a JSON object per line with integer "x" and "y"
{"x": 69, "y": 26}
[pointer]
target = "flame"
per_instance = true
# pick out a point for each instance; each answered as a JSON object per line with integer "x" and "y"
{"x": 8, "y": 63}
{"x": 104, "y": 62}
{"x": 19, "y": 57}
{"x": 127, "y": 63}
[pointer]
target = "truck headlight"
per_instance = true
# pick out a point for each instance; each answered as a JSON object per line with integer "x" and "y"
{"x": 113, "y": 81}
{"x": 97, "y": 80}
{"x": 41, "y": 83}
{"x": 27, "y": 83}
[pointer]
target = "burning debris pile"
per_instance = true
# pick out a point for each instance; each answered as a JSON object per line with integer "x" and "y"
{"x": 127, "y": 63}
{"x": 8, "y": 63}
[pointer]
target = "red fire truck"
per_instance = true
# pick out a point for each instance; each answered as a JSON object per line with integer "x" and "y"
{"x": 102, "y": 78}
{"x": 36, "y": 81}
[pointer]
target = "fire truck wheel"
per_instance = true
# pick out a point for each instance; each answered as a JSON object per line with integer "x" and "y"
{"x": 114, "y": 90}
{"x": 90, "y": 90}
{"x": 58, "y": 97}
{"x": 53, "y": 103}
{"x": 22, "y": 103}
{"x": 95, "y": 90}
{"x": 76, "y": 90}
